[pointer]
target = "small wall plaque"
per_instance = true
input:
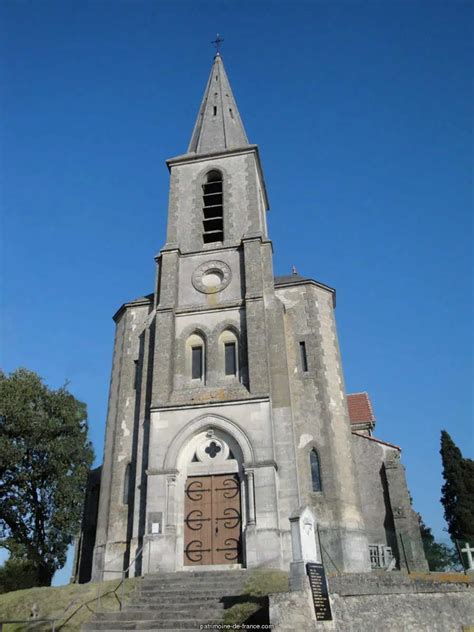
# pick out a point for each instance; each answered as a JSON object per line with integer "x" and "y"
{"x": 155, "y": 522}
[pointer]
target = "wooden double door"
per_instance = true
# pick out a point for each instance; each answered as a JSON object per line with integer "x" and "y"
{"x": 212, "y": 520}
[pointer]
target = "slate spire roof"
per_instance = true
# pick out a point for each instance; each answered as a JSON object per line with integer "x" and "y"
{"x": 218, "y": 125}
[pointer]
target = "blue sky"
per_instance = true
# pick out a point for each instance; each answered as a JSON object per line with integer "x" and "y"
{"x": 363, "y": 115}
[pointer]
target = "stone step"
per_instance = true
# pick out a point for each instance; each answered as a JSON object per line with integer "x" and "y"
{"x": 195, "y": 581}
{"x": 211, "y": 605}
{"x": 150, "y": 624}
{"x": 191, "y": 578}
{"x": 191, "y": 588}
{"x": 165, "y": 615}
{"x": 185, "y": 595}
{"x": 196, "y": 573}
{"x": 173, "y": 599}
{"x": 188, "y": 591}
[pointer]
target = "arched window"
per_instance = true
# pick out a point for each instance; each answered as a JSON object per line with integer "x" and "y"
{"x": 315, "y": 471}
{"x": 196, "y": 357}
{"x": 126, "y": 485}
{"x": 229, "y": 349}
{"x": 213, "y": 210}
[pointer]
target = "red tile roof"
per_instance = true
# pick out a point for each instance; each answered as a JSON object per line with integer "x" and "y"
{"x": 360, "y": 408}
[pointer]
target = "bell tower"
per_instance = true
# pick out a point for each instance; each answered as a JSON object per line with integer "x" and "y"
{"x": 217, "y": 256}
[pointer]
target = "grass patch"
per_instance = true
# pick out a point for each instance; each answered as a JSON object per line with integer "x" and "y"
{"x": 73, "y": 604}
{"x": 263, "y": 582}
{"x": 252, "y": 605}
{"x": 240, "y": 612}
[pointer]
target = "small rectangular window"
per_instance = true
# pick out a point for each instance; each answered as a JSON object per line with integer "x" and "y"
{"x": 230, "y": 358}
{"x": 135, "y": 374}
{"x": 196, "y": 368}
{"x": 126, "y": 485}
{"x": 304, "y": 358}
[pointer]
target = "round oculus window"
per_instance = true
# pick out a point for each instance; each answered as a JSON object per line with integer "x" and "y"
{"x": 211, "y": 277}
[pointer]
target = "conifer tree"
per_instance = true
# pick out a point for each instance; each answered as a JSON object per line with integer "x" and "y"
{"x": 457, "y": 491}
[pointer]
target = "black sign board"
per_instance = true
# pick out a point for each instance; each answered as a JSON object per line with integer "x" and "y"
{"x": 319, "y": 588}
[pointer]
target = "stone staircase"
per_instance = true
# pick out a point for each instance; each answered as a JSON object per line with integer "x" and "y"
{"x": 175, "y": 601}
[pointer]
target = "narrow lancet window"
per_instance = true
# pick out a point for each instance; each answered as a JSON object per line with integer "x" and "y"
{"x": 229, "y": 353}
{"x": 135, "y": 375}
{"x": 304, "y": 357}
{"x": 126, "y": 485}
{"x": 197, "y": 357}
{"x": 213, "y": 210}
{"x": 230, "y": 358}
{"x": 315, "y": 472}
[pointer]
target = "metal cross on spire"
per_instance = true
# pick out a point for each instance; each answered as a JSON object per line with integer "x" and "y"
{"x": 217, "y": 43}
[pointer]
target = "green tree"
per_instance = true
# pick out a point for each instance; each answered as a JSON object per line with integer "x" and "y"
{"x": 440, "y": 556}
{"x": 17, "y": 574}
{"x": 45, "y": 457}
{"x": 457, "y": 491}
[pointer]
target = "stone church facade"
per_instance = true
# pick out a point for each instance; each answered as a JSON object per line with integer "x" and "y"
{"x": 227, "y": 408}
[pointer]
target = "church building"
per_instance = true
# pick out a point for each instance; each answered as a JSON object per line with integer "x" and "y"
{"x": 227, "y": 408}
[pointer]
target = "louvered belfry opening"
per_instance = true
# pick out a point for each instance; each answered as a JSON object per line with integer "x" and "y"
{"x": 213, "y": 210}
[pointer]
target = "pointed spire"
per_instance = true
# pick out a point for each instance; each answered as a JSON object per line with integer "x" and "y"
{"x": 218, "y": 125}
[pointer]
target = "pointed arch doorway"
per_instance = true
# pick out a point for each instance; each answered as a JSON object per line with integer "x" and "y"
{"x": 213, "y": 501}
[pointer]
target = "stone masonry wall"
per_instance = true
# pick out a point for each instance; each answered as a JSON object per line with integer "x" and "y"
{"x": 379, "y": 601}
{"x": 369, "y": 459}
{"x": 114, "y": 509}
{"x": 321, "y": 422}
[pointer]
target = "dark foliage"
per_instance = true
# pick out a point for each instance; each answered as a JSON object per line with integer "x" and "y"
{"x": 440, "y": 557}
{"x": 17, "y": 574}
{"x": 45, "y": 457}
{"x": 457, "y": 491}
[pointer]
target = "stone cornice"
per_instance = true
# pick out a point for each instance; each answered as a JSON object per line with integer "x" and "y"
{"x": 251, "y": 465}
{"x": 210, "y": 404}
{"x": 139, "y": 302}
{"x": 156, "y": 472}
{"x": 287, "y": 284}
{"x": 222, "y": 307}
